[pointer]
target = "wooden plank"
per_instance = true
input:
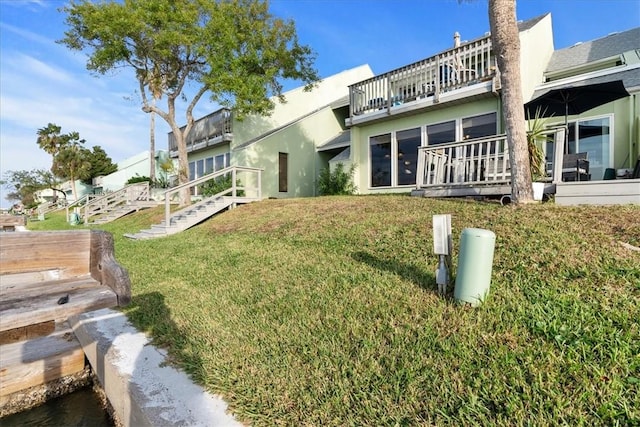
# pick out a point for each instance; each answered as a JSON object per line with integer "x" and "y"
{"x": 20, "y": 312}
{"x": 8, "y": 281}
{"x": 12, "y": 220}
{"x": 27, "y": 332}
{"x": 35, "y": 362}
{"x": 36, "y": 251}
{"x": 25, "y": 291}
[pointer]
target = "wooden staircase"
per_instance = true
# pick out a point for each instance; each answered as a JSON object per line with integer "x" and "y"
{"x": 122, "y": 210}
{"x": 183, "y": 219}
{"x": 112, "y": 206}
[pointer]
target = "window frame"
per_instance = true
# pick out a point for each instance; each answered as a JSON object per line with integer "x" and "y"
{"x": 423, "y": 130}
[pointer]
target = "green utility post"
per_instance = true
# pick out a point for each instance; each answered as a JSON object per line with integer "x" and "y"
{"x": 475, "y": 263}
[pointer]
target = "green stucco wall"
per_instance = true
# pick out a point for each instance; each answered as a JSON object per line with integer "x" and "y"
{"x": 299, "y": 141}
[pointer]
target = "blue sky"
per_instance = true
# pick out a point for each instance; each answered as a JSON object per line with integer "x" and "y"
{"x": 42, "y": 82}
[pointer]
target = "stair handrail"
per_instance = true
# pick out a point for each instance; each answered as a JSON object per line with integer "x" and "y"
{"x": 234, "y": 187}
{"x": 126, "y": 194}
{"x": 82, "y": 200}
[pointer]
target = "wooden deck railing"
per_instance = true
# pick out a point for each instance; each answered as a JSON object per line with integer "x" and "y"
{"x": 245, "y": 179}
{"x": 103, "y": 204}
{"x": 483, "y": 161}
{"x": 216, "y": 125}
{"x": 469, "y": 63}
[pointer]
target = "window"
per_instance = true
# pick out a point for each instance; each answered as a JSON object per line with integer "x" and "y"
{"x": 283, "y": 179}
{"x": 380, "y": 155}
{"x": 408, "y": 143}
{"x": 479, "y": 126}
{"x": 593, "y": 137}
{"x": 220, "y": 164}
{"x": 441, "y": 133}
{"x": 393, "y": 156}
{"x": 192, "y": 171}
{"x": 200, "y": 168}
{"x": 208, "y": 167}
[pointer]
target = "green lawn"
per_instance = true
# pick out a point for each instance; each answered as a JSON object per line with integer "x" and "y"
{"x": 324, "y": 311}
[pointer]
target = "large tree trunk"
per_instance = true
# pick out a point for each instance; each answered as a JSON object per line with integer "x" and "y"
{"x": 506, "y": 48}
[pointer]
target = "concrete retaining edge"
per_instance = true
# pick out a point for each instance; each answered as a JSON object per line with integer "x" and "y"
{"x": 135, "y": 376}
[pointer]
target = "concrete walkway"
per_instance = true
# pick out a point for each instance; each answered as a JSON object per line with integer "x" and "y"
{"x": 133, "y": 373}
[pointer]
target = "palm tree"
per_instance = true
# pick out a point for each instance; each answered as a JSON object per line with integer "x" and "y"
{"x": 72, "y": 162}
{"x": 506, "y": 48}
{"x": 50, "y": 139}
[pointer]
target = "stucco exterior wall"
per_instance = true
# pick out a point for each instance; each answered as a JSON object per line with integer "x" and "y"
{"x": 536, "y": 48}
{"x": 137, "y": 165}
{"x": 298, "y": 104}
{"x": 299, "y": 141}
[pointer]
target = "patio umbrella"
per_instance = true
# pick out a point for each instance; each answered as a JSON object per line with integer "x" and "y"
{"x": 575, "y": 99}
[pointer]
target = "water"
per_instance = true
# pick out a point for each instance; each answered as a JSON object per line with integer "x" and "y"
{"x": 79, "y": 409}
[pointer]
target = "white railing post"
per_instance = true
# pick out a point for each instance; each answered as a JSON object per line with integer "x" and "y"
{"x": 233, "y": 182}
{"x": 167, "y": 208}
{"x": 259, "y": 185}
{"x": 558, "y": 154}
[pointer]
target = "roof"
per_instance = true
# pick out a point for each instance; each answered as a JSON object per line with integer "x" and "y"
{"x": 605, "y": 47}
{"x": 530, "y": 23}
{"x": 630, "y": 79}
{"x": 341, "y": 140}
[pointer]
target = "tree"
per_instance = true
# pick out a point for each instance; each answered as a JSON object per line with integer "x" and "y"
{"x": 101, "y": 163}
{"x": 50, "y": 138}
{"x": 72, "y": 163}
{"x": 23, "y": 185}
{"x": 506, "y": 48}
{"x": 71, "y": 160}
{"x": 234, "y": 50}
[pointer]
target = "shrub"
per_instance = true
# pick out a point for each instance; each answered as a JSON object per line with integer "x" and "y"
{"x": 218, "y": 185}
{"x": 338, "y": 182}
{"x": 136, "y": 179}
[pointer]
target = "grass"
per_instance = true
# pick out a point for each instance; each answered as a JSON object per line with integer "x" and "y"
{"x": 324, "y": 311}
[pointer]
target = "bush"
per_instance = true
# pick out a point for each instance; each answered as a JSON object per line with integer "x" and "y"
{"x": 136, "y": 179}
{"x": 218, "y": 185}
{"x": 338, "y": 182}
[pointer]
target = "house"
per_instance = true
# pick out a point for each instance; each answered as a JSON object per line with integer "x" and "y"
{"x": 283, "y": 144}
{"x": 137, "y": 165}
{"x": 435, "y": 126}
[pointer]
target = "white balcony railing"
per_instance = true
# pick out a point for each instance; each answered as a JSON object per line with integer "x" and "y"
{"x": 482, "y": 161}
{"x": 467, "y": 64}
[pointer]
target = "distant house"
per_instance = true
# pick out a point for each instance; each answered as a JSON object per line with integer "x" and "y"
{"x": 137, "y": 165}
{"x": 283, "y": 144}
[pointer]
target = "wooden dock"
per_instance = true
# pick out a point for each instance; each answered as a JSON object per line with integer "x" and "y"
{"x": 46, "y": 277}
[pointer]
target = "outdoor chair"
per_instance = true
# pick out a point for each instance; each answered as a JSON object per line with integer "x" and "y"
{"x": 575, "y": 167}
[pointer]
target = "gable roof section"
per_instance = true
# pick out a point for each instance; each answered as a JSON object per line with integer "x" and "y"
{"x": 530, "y": 23}
{"x": 279, "y": 128}
{"x": 341, "y": 140}
{"x": 594, "y": 50}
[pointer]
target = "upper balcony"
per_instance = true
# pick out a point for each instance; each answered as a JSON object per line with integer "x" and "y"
{"x": 465, "y": 71}
{"x": 207, "y": 131}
